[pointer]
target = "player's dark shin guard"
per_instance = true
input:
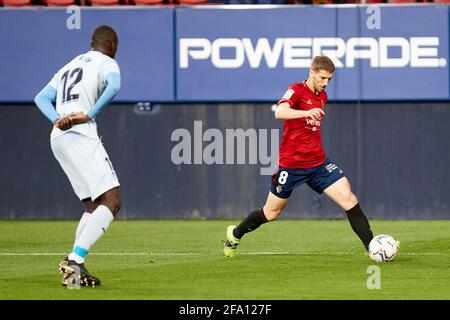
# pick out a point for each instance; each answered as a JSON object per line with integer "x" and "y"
{"x": 360, "y": 225}
{"x": 253, "y": 221}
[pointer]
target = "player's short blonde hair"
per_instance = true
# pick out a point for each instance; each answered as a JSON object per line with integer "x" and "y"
{"x": 322, "y": 63}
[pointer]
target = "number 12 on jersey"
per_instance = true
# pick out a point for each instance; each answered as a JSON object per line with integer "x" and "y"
{"x": 75, "y": 76}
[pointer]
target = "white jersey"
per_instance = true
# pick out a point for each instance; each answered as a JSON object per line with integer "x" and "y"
{"x": 79, "y": 84}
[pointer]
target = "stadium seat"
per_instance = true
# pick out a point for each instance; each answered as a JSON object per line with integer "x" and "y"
{"x": 59, "y": 3}
{"x": 148, "y": 2}
{"x": 105, "y": 2}
{"x": 317, "y": 2}
{"x": 401, "y": 1}
{"x": 193, "y": 2}
{"x": 17, "y": 3}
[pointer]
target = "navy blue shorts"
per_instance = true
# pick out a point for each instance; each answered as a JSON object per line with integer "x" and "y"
{"x": 317, "y": 178}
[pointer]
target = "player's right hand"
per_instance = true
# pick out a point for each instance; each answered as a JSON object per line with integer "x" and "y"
{"x": 79, "y": 117}
{"x": 315, "y": 114}
{"x": 64, "y": 123}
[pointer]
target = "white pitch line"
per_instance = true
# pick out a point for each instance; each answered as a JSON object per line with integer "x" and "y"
{"x": 215, "y": 253}
{"x": 100, "y": 253}
{"x": 169, "y": 253}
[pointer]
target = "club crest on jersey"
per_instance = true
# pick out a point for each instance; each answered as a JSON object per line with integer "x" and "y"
{"x": 288, "y": 94}
{"x": 309, "y": 102}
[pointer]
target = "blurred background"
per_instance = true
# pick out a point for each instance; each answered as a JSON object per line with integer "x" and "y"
{"x": 194, "y": 65}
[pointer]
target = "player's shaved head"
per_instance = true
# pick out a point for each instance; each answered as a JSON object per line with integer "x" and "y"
{"x": 322, "y": 63}
{"x": 105, "y": 40}
{"x": 103, "y": 35}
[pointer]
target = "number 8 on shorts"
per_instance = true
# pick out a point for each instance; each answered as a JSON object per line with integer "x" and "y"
{"x": 282, "y": 178}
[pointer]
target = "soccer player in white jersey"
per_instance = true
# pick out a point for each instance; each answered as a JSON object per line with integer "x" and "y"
{"x": 81, "y": 89}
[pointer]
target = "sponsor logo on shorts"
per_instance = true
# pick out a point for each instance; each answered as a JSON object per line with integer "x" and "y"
{"x": 331, "y": 167}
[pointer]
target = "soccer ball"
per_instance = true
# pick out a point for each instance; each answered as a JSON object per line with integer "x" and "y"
{"x": 383, "y": 248}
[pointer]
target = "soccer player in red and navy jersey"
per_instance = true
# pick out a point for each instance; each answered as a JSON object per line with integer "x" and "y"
{"x": 303, "y": 160}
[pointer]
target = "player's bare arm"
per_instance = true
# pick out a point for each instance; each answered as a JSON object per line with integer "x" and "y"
{"x": 285, "y": 112}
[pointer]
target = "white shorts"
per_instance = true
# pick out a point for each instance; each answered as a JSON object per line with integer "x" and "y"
{"x": 86, "y": 164}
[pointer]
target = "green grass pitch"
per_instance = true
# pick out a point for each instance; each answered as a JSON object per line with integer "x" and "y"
{"x": 182, "y": 260}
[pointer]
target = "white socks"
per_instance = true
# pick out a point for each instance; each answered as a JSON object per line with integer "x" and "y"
{"x": 95, "y": 227}
{"x": 81, "y": 225}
